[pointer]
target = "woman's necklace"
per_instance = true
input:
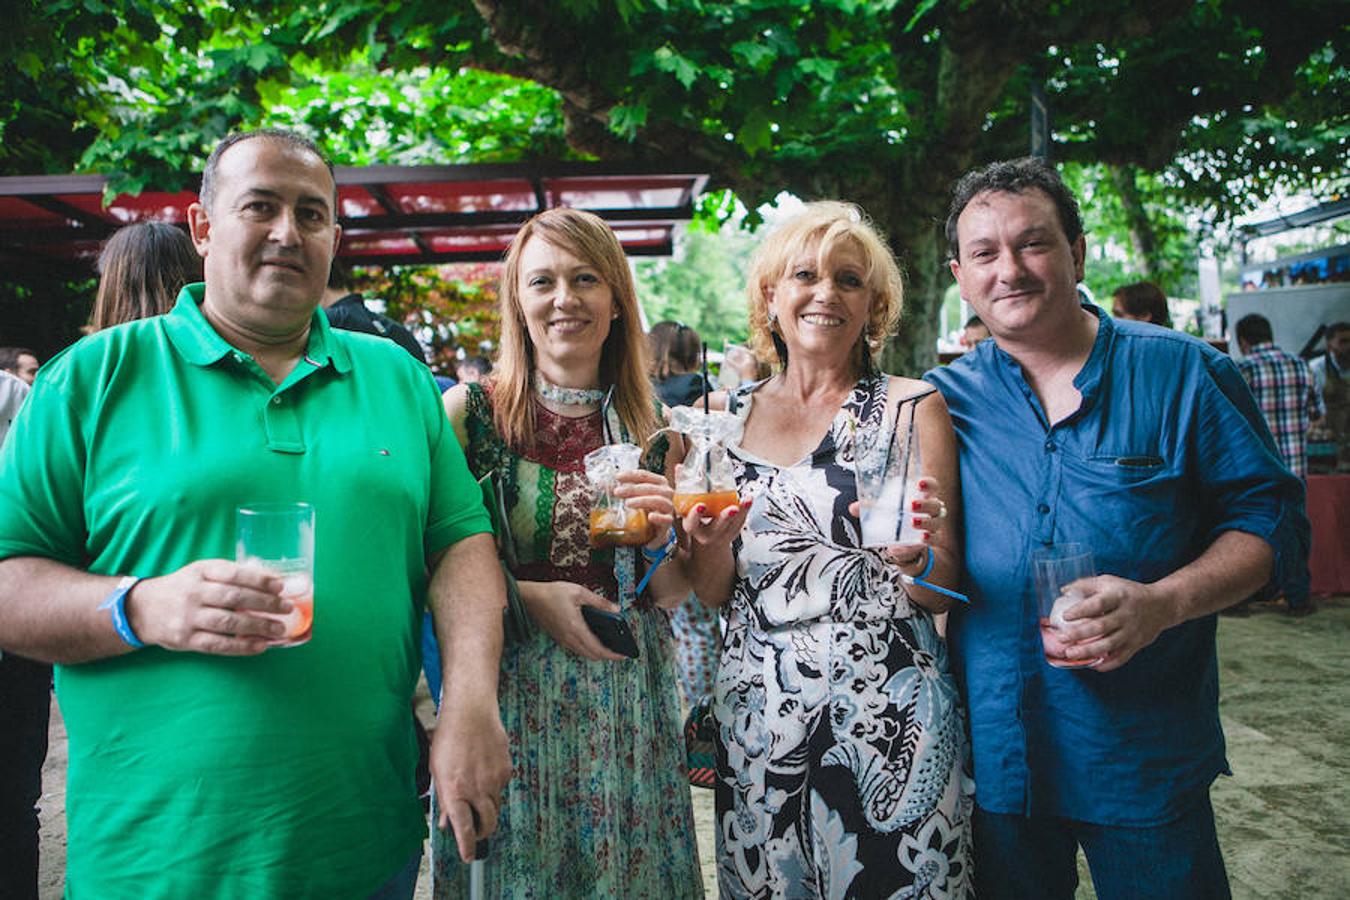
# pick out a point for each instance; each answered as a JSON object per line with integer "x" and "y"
{"x": 566, "y": 396}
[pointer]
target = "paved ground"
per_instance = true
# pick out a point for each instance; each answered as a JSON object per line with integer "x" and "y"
{"x": 1284, "y": 816}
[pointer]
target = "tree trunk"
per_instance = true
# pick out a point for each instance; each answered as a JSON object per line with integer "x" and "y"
{"x": 1142, "y": 238}
{"x": 913, "y": 350}
{"x": 912, "y": 214}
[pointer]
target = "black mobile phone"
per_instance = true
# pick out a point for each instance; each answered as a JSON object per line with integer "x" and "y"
{"x": 611, "y": 629}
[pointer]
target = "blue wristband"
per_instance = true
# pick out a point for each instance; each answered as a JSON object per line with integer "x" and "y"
{"x": 928, "y": 568}
{"x": 116, "y": 604}
{"x": 652, "y": 556}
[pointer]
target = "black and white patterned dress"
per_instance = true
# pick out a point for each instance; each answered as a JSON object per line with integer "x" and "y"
{"x": 841, "y": 751}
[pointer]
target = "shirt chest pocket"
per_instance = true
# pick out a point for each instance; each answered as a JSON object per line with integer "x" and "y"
{"x": 1114, "y": 473}
{"x": 1130, "y": 468}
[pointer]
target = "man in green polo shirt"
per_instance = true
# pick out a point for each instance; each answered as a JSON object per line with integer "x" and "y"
{"x": 204, "y": 760}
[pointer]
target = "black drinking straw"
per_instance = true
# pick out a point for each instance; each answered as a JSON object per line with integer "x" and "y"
{"x": 604, "y": 414}
{"x": 704, "y": 354}
{"x": 707, "y": 475}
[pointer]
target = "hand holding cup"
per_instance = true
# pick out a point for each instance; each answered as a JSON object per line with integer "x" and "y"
{"x": 1058, "y": 574}
{"x": 278, "y": 538}
{"x": 927, "y": 516}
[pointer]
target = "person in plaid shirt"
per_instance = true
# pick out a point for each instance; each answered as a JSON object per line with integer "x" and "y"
{"x": 1284, "y": 390}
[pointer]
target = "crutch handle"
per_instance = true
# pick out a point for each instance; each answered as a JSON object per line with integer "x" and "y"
{"x": 479, "y": 865}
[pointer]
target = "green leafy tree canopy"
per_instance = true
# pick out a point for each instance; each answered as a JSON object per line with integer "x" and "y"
{"x": 1199, "y": 104}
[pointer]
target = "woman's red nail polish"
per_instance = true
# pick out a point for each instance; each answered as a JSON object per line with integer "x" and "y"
{"x": 917, "y": 521}
{"x": 701, "y": 509}
{"x": 923, "y": 484}
{"x": 915, "y": 505}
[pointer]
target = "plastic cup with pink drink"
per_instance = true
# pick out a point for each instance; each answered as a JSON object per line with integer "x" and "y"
{"x": 1054, "y": 570}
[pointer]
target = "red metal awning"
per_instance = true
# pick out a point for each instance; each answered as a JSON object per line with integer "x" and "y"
{"x": 390, "y": 215}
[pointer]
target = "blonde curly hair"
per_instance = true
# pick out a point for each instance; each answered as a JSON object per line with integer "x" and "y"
{"x": 822, "y": 225}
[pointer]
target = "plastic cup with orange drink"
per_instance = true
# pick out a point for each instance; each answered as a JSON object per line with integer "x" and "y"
{"x": 279, "y": 537}
{"x": 706, "y": 476}
{"x": 613, "y": 523}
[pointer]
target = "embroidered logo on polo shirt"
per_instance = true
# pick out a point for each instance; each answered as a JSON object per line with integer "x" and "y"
{"x": 384, "y": 452}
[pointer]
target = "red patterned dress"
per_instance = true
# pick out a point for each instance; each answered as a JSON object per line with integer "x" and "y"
{"x": 598, "y": 805}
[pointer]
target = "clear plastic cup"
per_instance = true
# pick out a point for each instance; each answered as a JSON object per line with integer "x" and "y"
{"x": 886, "y": 465}
{"x": 612, "y": 523}
{"x": 737, "y": 361}
{"x": 706, "y": 476}
{"x": 1053, "y": 569}
{"x": 279, "y": 537}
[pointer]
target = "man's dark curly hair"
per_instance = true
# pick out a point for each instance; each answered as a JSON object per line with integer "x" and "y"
{"x": 1016, "y": 176}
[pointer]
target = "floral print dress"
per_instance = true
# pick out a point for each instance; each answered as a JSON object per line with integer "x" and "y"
{"x": 598, "y": 804}
{"x": 841, "y": 751}
{"x": 698, "y": 646}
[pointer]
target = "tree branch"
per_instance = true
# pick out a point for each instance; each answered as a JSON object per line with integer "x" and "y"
{"x": 538, "y": 44}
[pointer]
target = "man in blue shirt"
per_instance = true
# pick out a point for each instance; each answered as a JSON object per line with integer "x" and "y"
{"x": 1145, "y": 445}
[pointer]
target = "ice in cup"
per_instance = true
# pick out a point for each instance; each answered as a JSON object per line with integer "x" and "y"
{"x": 612, "y": 522}
{"x": 279, "y": 537}
{"x": 886, "y": 466}
{"x": 1053, "y": 569}
{"x": 706, "y": 476}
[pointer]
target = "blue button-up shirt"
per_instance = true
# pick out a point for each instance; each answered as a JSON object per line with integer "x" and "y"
{"x": 1166, "y": 451}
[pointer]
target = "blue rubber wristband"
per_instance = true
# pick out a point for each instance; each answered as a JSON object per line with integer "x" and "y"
{"x": 928, "y": 568}
{"x": 919, "y": 580}
{"x": 116, "y": 605}
{"x": 654, "y": 559}
{"x": 664, "y": 551}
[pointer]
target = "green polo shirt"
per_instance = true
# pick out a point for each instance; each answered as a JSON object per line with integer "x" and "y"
{"x": 285, "y": 775}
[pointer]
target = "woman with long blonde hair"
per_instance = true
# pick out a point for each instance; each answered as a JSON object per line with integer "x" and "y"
{"x": 599, "y": 805}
